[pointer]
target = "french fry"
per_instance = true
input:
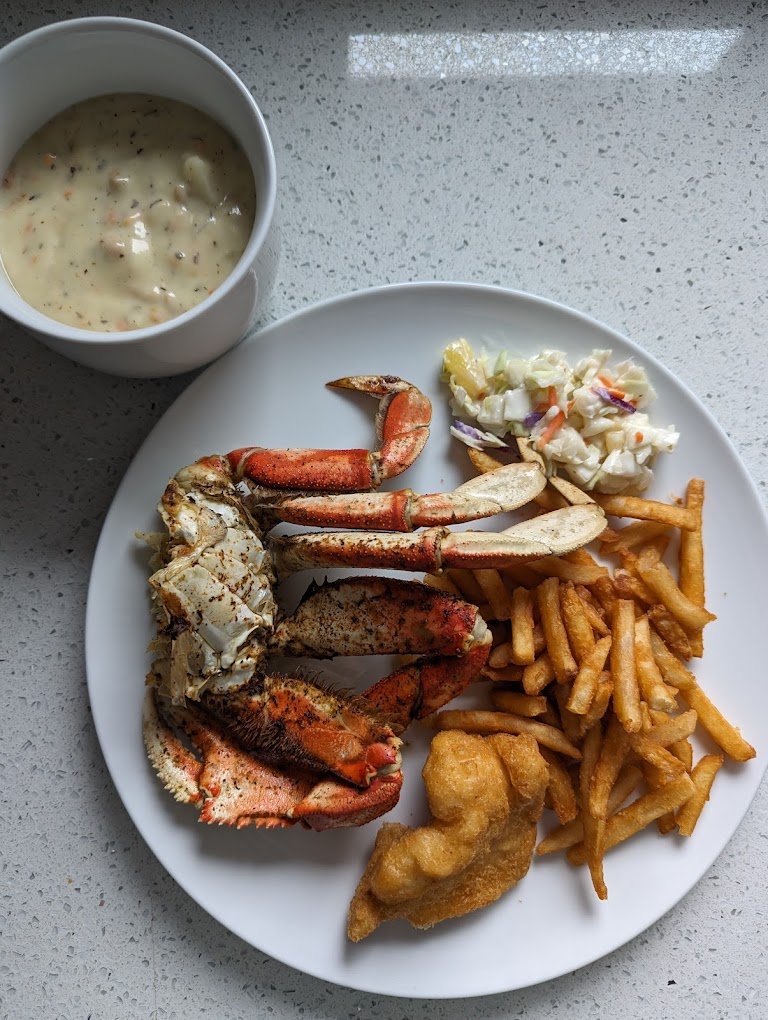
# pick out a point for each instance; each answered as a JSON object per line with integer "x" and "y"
{"x": 607, "y": 540}
{"x": 724, "y": 734}
{"x": 594, "y": 826}
{"x": 628, "y": 586}
{"x": 703, "y": 775}
{"x": 683, "y": 749}
{"x": 495, "y": 592}
{"x": 442, "y": 582}
{"x": 581, "y": 556}
{"x": 561, "y": 791}
{"x": 613, "y": 753}
{"x": 501, "y": 655}
{"x": 672, "y": 669}
{"x": 652, "y": 687}
{"x": 641, "y": 812}
{"x": 581, "y": 636}
{"x": 551, "y": 717}
{"x": 504, "y": 674}
{"x": 653, "y": 752}
{"x": 482, "y": 461}
{"x": 600, "y": 702}
{"x": 528, "y": 453}
{"x": 539, "y": 641}
{"x": 587, "y": 679}
{"x": 631, "y": 536}
{"x": 626, "y": 692}
{"x": 659, "y": 579}
{"x": 659, "y": 545}
{"x": 669, "y": 729}
{"x": 538, "y": 675}
{"x": 466, "y": 582}
{"x": 521, "y": 618}
{"x": 604, "y": 591}
{"x": 654, "y": 779}
{"x": 596, "y": 621}
{"x": 647, "y": 510}
{"x": 671, "y": 631}
{"x": 519, "y": 574}
{"x": 590, "y": 600}
{"x": 657, "y": 771}
{"x": 504, "y": 722}
{"x": 565, "y": 836}
{"x": 519, "y": 703}
{"x": 645, "y": 717}
{"x": 548, "y": 499}
{"x": 555, "y": 635}
{"x": 558, "y": 566}
{"x": 691, "y": 558}
{"x": 571, "y": 724}
{"x": 571, "y": 493}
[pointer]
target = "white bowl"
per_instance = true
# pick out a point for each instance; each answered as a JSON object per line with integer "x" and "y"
{"x": 47, "y": 70}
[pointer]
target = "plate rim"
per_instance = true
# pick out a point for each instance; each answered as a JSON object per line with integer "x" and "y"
{"x": 263, "y": 336}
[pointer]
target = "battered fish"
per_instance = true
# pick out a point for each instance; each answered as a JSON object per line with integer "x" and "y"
{"x": 486, "y": 795}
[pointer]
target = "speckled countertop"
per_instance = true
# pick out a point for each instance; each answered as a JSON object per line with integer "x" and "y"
{"x": 619, "y": 168}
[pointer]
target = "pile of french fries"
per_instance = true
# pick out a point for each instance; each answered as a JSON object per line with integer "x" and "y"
{"x": 591, "y": 661}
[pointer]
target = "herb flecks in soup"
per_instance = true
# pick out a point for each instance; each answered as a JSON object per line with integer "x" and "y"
{"x": 124, "y": 211}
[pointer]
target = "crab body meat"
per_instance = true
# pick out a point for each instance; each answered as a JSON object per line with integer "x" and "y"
{"x": 213, "y": 596}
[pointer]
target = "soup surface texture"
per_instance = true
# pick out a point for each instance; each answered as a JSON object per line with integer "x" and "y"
{"x": 124, "y": 211}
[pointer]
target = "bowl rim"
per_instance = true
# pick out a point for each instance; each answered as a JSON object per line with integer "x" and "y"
{"x": 265, "y": 206}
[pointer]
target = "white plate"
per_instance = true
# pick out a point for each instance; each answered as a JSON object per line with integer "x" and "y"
{"x": 286, "y": 892}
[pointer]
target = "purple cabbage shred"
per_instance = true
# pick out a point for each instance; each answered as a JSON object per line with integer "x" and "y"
{"x": 616, "y": 401}
{"x": 468, "y": 430}
{"x": 532, "y": 419}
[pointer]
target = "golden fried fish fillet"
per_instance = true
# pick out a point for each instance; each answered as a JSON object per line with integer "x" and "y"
{"x": 486, "y": 795}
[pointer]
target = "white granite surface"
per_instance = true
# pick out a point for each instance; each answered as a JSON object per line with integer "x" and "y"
{"x": 622, "y": 173}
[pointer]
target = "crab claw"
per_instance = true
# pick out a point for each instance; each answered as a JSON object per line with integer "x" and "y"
{"x": 290, "y": 721}
{"x": 334, "y": 805}
{"x": 402, "y": 429}
{"x": 234, "y": 787}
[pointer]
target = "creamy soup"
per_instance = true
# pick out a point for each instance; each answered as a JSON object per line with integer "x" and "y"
{"x": 124, "y": 211}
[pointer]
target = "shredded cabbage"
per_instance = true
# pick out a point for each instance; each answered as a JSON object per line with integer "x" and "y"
{"x": 587, "y": 421}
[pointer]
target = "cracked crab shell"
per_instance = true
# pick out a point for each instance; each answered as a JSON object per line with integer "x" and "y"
{"x": 213, "y": 593}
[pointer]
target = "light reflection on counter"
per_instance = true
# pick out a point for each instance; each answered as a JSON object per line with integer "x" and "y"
{"x": 538, "y": 54}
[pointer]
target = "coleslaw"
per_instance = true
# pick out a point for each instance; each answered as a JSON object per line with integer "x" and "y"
{"x": 588, "y": 420}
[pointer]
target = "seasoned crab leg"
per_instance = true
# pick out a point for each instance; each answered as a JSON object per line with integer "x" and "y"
{"x": 402, "y": 429}
{"x": 486, "y": 495}
{"x": 420, "y": 688}
{"x": 436, "y": 549}
{"x": 384, "y": 615}
{"x": 234, "y": 787}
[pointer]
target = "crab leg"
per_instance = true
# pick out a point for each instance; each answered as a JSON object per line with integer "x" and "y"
{"x": 377, "y": 616}
{"x": 420, "y": 688}
{"x": 402, "y": 429}
{"x": 436, "y": 549}
{"x": 496, "y": 492}
{"x": 234, "y": 787}
{"x": 380, "y": 615}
